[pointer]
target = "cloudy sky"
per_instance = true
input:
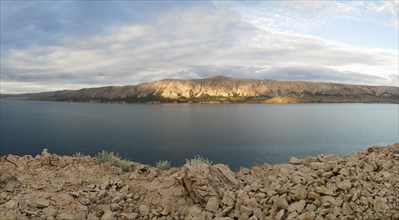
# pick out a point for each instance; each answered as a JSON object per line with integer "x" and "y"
{"x": 51, "y": 45}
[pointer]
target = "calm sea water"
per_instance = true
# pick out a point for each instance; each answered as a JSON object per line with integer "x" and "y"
{"x": 235, "y": 134}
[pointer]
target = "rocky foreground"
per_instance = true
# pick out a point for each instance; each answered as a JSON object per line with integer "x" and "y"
{"x": 362, "y": 186}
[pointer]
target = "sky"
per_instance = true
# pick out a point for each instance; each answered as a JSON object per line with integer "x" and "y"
{"x": 56, "y": 45}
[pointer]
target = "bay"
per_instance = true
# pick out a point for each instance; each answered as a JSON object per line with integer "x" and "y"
{"x": 238, "y": 135}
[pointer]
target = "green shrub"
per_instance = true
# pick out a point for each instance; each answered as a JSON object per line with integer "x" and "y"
{"x": 78, "y": 154}
{"x": 163, "y": 164}
{"x": 199, "y": 159}
{"x": 124, "y": 164}
{"x": 113, "y": 160}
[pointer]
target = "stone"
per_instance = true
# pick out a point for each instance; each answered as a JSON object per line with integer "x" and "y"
{"x": 92, "y": 217}
{"x": 292, "y": 216}
{"x": 258, "y": 213}
{"x": 129, "y": 216}
{"x": 281, "y": 203}
{"x": 344, "y": 185}
{"x": 40, "y": 203}
{"x": 324, "y": 191}
{"x": 12, "y": 204}
{"x": 313, "y": 195}
{"x": 84, "y": 201}
{"x": 306, "y": 216}
{"x": 295, "y": 161}
{"x": 246, "y": 210}
{"x": 244, "y": 216}
{"x": 297, "y": 206}
{"x": 50, "y": 211}
{"x": 299, "y": 192}
{"x": 65, "y": 216}
{"x": 212, "y": 205}
{"x": 252, "y": 203}
{"x": 108, "y": 215}
{"x": 346, "y": 209}
{"x": 144, "y": 210}
{"x": 115, "y": 207}
{"x": 280, "y": 214}
{"x": 101, "y": 194}
{"x": 379, "y": 205}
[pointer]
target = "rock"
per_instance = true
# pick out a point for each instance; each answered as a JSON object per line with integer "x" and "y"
{"x": 40, "y": 203}
{"x": 115, "y": 207}
{"x": 12, "y": 204}
{"x": 344, "y": 185}
{"x": 50, "y": 211}
{"x": 223, "y": 218}
{"x": 313, "y": 195}
{"x": 194, "y": 212}
{"x": 326, "y": 187}
{"x": 252, "y": 203}
{"x": 92, "y": 217}
{"x": 306, "y": 216}
{"x": 65, "y": 216}
{"x": 295, "y": 161}
{"x": 253, "y": 218}
{"x": 324, "y": 191}
{"x": 108, "y": 215}
{"x": 244, "y": 216}
{"x": 280, "y": 214}
{"x": 292, "y": 215}
{"x": 246, "y": 210}
{"x": 129, "y": 216}
{"x": 144, "y": 210}
{"x": 212, "y": 205}
{"x": 11, "y": 215}
{"x": 379, "y": 205}
{"x": 299, "y": 192}
{"x": 84, "y": 201}
{"x": 281, "y": 203}
{"x": 297, "y": 206}
{"x": 346, "y": 209}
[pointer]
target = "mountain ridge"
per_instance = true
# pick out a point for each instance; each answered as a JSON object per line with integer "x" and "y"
{"x": 223, "y": 89}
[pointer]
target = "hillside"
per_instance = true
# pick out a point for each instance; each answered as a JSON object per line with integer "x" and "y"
{"x": 221, "y": 89}
{"x": 361, "y": 186}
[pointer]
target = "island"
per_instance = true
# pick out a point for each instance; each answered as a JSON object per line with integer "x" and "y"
{"x": 222, "y": 89}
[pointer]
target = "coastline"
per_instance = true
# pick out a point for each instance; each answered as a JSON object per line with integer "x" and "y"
{"x": 362, "y": 185}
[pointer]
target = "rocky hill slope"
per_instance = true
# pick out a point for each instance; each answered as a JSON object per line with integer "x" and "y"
{"x": 362, "y": 186}
{"x": 224, "y": 89}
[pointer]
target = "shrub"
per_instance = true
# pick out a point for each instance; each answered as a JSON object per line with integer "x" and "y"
{"x": 113, "y": 160}
{"x": 124, "y": 164}
{"x": 198, "y": 160}
{"x": 78, "y": 154}
{"x": 163, "y": 164}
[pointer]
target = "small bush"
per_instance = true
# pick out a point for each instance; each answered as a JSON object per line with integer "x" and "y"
{"x": 78, "y": 154}
{"x": 113, "y": 160}
{"x": 199, "y": 159}
{"x": 124, "y": 164}
{"x": 163, "y": 164}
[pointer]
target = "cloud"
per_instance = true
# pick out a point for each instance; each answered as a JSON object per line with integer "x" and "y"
{"x": 315, "y": 73}
{"x": 302, "y": 16}
{"x": 201, "y": 40}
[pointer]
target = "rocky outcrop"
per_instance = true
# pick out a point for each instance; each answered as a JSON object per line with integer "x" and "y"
{"x": 364, "y": 185}
{"x": 224, "y": 89}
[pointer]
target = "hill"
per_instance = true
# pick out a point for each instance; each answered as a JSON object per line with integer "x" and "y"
{"x": 222, "y": 89}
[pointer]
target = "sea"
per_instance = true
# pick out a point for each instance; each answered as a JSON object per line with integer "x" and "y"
{"x": 238, "y": 135}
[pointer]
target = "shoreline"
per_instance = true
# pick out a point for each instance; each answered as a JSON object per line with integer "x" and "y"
{"x": 362, "y": 185}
